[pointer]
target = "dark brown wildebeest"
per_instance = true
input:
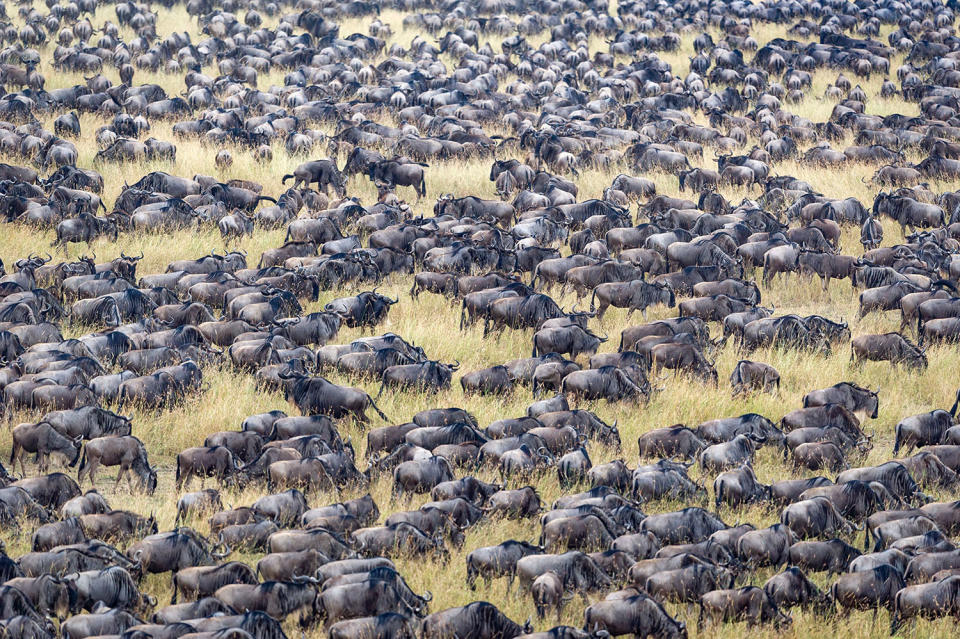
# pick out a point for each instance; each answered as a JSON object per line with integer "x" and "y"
{"x": 792, "y": 588}
{"x": 202, "y": 581}
{"x": 639, "y": 615}
{"x": 819, "y": 455}
{"x": 854, "y": 398}
{"x": 891, "y": 347}
{"x": 712, "y": 308}
{"x": 684, "y": 357}
{"x": 671, "y": 441}
{"x": 826, "y": 265}
{"x": 926, "y": 429}
{"x": 203, "y": 461}
{"x": 932, "y": 600}
{"x": 813, "y": 518}
{"x": 868, "y": 589}
{"x": 748, "y": 375}
{"x": 128, "y": 452}
{"x": 750, "y": 604}
{"x": 766, "y": 547}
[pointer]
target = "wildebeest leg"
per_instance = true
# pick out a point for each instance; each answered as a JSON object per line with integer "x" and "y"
{"x": 91, "y": 470}
{"x": 20, "y": 455}
{"x": 702, "y": 620}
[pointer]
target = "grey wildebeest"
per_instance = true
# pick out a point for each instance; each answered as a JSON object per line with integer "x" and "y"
{"x": 633, "y": 295}
{"x": 44, "y": 440}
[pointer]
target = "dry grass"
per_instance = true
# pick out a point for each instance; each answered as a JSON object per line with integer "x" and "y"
{"x": 432, "y": 322}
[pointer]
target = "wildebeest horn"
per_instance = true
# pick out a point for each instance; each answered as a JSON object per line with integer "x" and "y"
{"x": 427, "y": 596}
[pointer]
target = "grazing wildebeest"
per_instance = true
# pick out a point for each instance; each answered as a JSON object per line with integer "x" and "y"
{"x": 890, "y": 347}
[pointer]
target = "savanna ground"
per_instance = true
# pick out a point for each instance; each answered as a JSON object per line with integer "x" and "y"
{"x": 432, "y": 322}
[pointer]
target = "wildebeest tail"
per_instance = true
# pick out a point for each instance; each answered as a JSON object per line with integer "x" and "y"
{"x": 267, "y": 198}
{"x": 76, "y": 458}
{"x": 377, "y": 408}
{"x": 83, "y": 462}
{"x": 956, "y": 404}
{"x": 593, "y": 297}
{"x": 177, "y": 473}
{"x": 286, "y": 177}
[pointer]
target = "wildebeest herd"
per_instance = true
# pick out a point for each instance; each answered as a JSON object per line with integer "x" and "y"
{"x": 531, "y": 505}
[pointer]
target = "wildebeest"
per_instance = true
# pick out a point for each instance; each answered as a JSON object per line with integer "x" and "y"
{"x": 127, "y": 452}
{"x": 317, "y": 395}
{"x": 868, "y": 589}
{"x": 479, "y": 617}
{"x": 891, "y": 347}
{"x": 633, "y": 295}
{"x": 854, "y": 398}
{"x": 751, "y": 604}
{"x": 814, "y": 517}
{"x": 44, "y": 440}
{"x": 932, "y": 600}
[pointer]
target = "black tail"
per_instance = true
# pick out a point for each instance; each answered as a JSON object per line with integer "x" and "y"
{"x": 83, "y": 462}
{"x": 76, "y": 458}
{"x": 377, "y": 408}
{"x": 956, "y": 404}
{"x": 285, "y": 178}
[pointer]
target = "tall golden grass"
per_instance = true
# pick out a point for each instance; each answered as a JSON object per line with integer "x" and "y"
{"x": 432, "y": 322}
